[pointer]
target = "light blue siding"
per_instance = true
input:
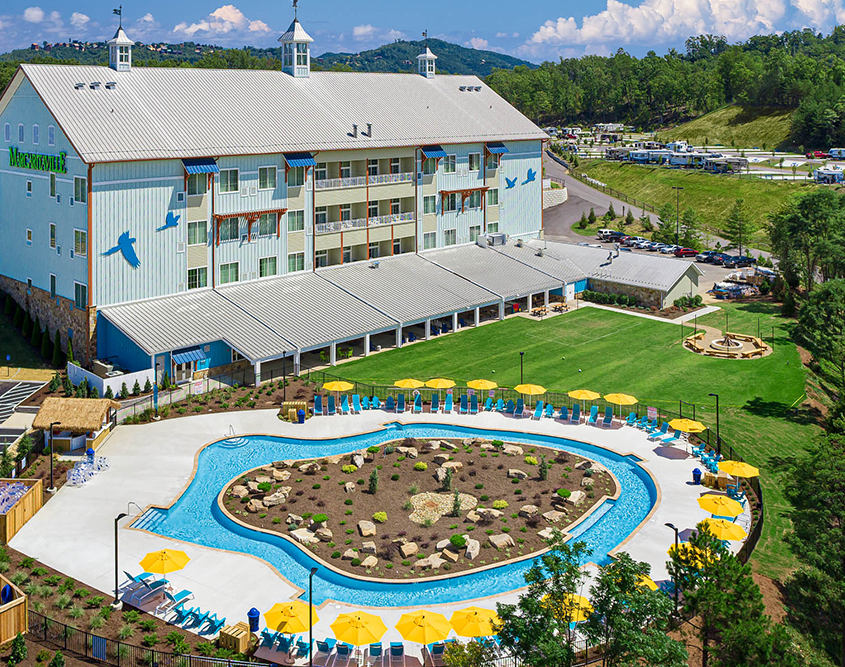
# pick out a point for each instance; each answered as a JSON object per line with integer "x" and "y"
{"x": 218, "y": 354}
{"x": 116, "y": 347}
{"x": 520, "y": 207}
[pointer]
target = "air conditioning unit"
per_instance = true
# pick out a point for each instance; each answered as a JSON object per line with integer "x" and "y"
{"x": 496, "y": 239}
{"x": 114, "y": 374}
{"x": 101, "y": 368}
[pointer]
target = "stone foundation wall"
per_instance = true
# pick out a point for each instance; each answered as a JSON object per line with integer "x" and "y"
{"x": 643, "y": 295}
{"x": 63, "y": 316}
{"x": 554, "y": 197}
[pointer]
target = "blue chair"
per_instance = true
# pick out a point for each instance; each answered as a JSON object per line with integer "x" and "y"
{"x": 344, "y": 405}
{"x": 365, "y": 402}
{"x": 473, "y": 404}
{"x": 400, "y": 403}
{"x": 332, "y": 410}
{"x": 173, "y": 602}
{"x": 509, "y": 408}
{"x": 303, "y": 648}
{"x": 286, "y": 644}
{"x": 500, "y": 405}
{"x": 576, "y": 414}
{"x": 412, "y": 337}
{"x": 632, "y": 419}
{"x": 145, "y": 591}
{"x": 436, "y": 651}
{"x": 343, "y": 654}
{"x": 435, "y": 403}
{"x": 324, "y": 650}
{"x": 417, "y": 404}
{"x": 397, "y": 653}
{"x": 464, "y": 409}
{"x": 488, "y": 404}
{"x": 375, "y": 655}
{"x": 214, "y": 625}
{"x": 268, "y": 639}
{"x": 356, "y": 403}
{"x": 449, "y": 406}
{"x": 657, "y": 435}
{"x": 462, "y": 322}
{"x": 538, "y": 410}
{"x": 564, "y": 414}
{"x": 389, "y": 404}
{"x": 672, "y": 439}
{"x": 594, "y": 415}
{"x": 608, "y": 417}
{"x": 519, "y": 410}
{"x": 652, "y": 426}
{"x": 318, "y": 404}
{"x": 375, "y": 403}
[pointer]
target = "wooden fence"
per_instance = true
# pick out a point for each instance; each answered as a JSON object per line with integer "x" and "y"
{"x": 23, "y": 510}
{"x": 14, "y": 616}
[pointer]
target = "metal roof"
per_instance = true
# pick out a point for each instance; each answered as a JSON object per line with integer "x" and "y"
{"x": 629, "y": 268}
{"x": 306, "y": 309}
{"x": 295, "y": 33}
{"x": 201, "y": 165}
{"x": 120, "y": 39}
{"x": 408, "y": 288}
{"x": 537, "y": 258}
{"x": 158, "y": 112}
{"x": 493, "y": 270}
{"x": 195, "y": 318}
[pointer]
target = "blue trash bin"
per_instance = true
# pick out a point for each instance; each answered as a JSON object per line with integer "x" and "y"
{"x": 254, "y": 616}
{"x": 301, "y": 416}
{"x": 90, "y": 455}
{"x": 696, "y": 476}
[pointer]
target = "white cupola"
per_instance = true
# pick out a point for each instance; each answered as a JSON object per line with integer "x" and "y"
{"x": 426, "y": 63}
{"x": 296, "y": 52}
{"x": 120, "y": 51}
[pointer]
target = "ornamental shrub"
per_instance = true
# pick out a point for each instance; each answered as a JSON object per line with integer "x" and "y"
{"x": 18, "y": 652}
{"x": 319, "y": 518}
{"x": 35, "y": 339}
{"x": 148, "y": 387}
{"x": 58, "y": 357}
{"x": 348, "y": 501}
{"x": 335, "y": 554}
{"x": 500, "y": 504}
{"x": 349, "y": 469}
{"x": 265, "y": 487}
{"x": 136, "y": 389}
{"x": 375, "y": 449}
{"x": 530, "y": 460}
{"x": 373, "y": 486}
{"x": 544, "y": 468}
{"x": 421, "y": 465}
{"x": 564, "y": 493}
{"x": 458, "y": 541}
{"x": 380, "y": 517}
{"x": 394, "y": 477}
{"x": 109, "y": 393}
{"x": 46, "y": 345}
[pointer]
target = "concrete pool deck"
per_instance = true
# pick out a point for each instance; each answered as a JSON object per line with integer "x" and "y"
{"x": 152, "y": 463}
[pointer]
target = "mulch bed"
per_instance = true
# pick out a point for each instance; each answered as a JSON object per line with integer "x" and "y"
{"x": 483, "y": 477}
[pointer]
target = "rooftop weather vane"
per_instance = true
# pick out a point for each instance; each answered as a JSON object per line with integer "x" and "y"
{"x": 295, "y": 3}
{"x": 425, "y": 37}
{"x": 119, "y": 13}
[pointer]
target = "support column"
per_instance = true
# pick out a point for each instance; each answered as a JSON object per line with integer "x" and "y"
{"x": 333, "y": 354}
{"x": 297, "y": 362}
{"x": 454, "y": 321}
{"x": 501, "y": 310}
{"x": 366, "y": 345}
{"x": 546, "y": 298}
{"x": 428, "y": 329}
{"x": 477, "y": 316}
{"x": 256, "y": 369}
{"x": 398, "y": 336}
{"x": 530, "y": 302}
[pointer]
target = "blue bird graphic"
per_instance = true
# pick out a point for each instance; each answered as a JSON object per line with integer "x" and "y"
{"x": 124, "y": 245}
{"x": 171, "y": 221}
{"x": 531, "y": 176}
{"x": 511, "y": 182}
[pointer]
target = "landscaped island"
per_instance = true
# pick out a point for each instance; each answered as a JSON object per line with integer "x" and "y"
{"x": 418, "y": 507}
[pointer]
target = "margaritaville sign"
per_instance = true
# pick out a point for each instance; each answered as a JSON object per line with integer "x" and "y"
{"x": 38, "y": 162}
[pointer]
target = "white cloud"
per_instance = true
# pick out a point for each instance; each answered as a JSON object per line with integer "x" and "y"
{"x": 147, "y": 18}
{"x": 33, "y": 14}
{"x": 79, "y": 20}
{"x": 501, "y": 35}
{"x": 225, "y": 20}
{"x": 370, "y": 33}
{"x": 478, "y": 43}
{"x": 361, "y": 32}
{"x": 393, "y": 35}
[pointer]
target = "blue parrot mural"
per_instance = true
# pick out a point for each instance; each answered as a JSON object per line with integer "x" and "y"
{"x": 171, "y": 221}
{"x": 124, "y": 245}
{"x": 532, "y": 175}
{"x": 511, "y": 182}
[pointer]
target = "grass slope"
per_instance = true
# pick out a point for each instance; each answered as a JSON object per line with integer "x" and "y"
{"x": 606, "y": 351}
{"x": 13, "y": 344}
{"x": 765, "y": 128}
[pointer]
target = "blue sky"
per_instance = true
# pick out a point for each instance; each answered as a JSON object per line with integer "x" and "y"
{"x": 535, "y": 30}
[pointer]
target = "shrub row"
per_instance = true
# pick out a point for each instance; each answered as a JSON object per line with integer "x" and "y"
{"x": 609, "y": 299}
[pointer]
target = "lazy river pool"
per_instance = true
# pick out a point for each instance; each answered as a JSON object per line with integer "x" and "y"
{"x": 195, "y": 517}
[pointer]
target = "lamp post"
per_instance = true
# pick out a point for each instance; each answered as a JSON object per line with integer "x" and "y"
{"x": 310, "y": 617}
{"x": 675, "y": 580}
{"x": 284, "y": 378}
{"x": 521, "y": 355}
{"x": 677, "y": 189}
{"x": 52, "y": 487}
{"x": 718, "y": 437}
{"x": 117, "y": 519}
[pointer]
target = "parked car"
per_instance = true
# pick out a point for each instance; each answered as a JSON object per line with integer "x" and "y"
{"x": 719, "y": 258}
{"x": 614, "y": 237}
{"x": 818, "y": 154}
{"x": 686, "y": 252}
{"x": 644, "y": 244}
{"x": 654, "y": 247}
{"x": 739, "y": 261}
{"x": 669, "y": 249}
{"x": 705, "y": 256}
{"x": 633, "y": 240}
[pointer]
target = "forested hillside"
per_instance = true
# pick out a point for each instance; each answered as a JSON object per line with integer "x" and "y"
{"x": 800, "y": 69}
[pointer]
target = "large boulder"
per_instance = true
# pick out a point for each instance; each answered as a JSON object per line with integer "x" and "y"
{"x": 323, "y": 534}
{"x": 282, "y": 464}
{"x": 358, "y": 460}
{"x": 252, "y": 487}
{"x": 501, "y": 541}
{"x": 553, "y": 516}
{"x": 440, "y": 459}
{"x": 576, "y": 498}
{"x": 516, "y": 473}
{"x": 240, "y": 491}
{"x": 440, "y": 475}
{"x": 254, "y": 505}
{"x": 369, "y": 562}
{"x": 349, "y": 487}
{"x": 473, "y": 517}
{"x": 277, "y": 498}
{"x": 281, "y": 475}
{"x": 349, "y": 554}
{"x": 512, "y": 450}
{"x": 408, "y": 549}
{"x": 410, "y": 452}
{"x": 448, "y": 554}
{"x": 368, "y": 547}
{"x": 434, "y": 561}
{"x": 454, "y": 465}
{"x": 547, "y": 533}
{"x": 294, "y": 518}
{"x": 528, "y": 511}
{"x": 451, "y": 446}
{"x": 430, "y": 446}
{"x": 584, "y": 465}
{"x": 310, "y": 468}
{"x": 264, "y": 479}
{"x": 473, "y": 549}
{"x": 487, "y": 447}
{"x": 367, "y": 528}
{"x": 489, "y": 514}
{"x": 304, "y": 536}
{"x": 587, "y": 481}
{"x": 443, "y": 544}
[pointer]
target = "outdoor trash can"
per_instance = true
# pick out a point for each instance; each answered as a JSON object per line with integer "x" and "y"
{"x": 696, "y": 476}
{"x": 90, "y": 455}
{"x": 254, "y": 616}
{"x": 301, "y": 416}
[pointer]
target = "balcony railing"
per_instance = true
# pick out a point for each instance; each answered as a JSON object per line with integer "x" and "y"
{"x": 361, "y": 223}
{"x": 361, "y": 181}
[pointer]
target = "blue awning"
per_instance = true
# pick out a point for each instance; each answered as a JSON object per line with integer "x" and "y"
{"x": 496, "y": 148}
{"x": 201, "y": 165}
{"x": 187, "y": 355}
{"x": 300, "y": 160}
{"x": 433, "y": 151}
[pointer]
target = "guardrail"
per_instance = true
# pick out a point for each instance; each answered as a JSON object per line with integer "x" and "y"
{"x": 362, "y": 223}
{"x": 361, "y": 181}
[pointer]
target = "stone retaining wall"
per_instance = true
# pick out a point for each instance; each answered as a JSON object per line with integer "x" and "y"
{"x": 643, "y": 295}
{"x": 554, "y": 197}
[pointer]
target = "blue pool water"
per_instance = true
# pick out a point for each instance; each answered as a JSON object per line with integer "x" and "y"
{"x": 195, "y": 516}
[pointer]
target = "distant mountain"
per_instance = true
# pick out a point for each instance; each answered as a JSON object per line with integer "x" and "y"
{"x": 401, "y": 56}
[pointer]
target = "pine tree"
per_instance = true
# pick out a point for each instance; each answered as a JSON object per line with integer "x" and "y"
{"x": 35, "y": 340}
{"x": 84, "y": 388}
{"x": 374, "y": 482}
{"x": 46, "y": 345}
{"x": 70, "y": 350}
{"x": 690, "y": 228}
{"x": 26, "y": 329}
{"x": 629, "y": 217}
{"x": 447, "y": 480}
{"x": 67, "y": 386}
{"x": 7, "y": 464}
{"x": 18, "y": 319}
{"x": 738, "y": 226}
{"x": 583, "y": 222}
{"x": 136, "y": 389}
{"x": 124, "y": 391}
{"x": 612, "y": 212}
{"x": 9, "y": 306}
{"x": 165, "y": 382}
{"x": 544, "y": 469}
{"x": 148, "y": 387}
{"x": 456, "y": 504}
{"x": 95, "y": 393}
{"x": 109, "y": 393}
{"x": 592, "y": 217}
{"x": 58, "y": 356}
{"x": 55, "y": 382}
{"x": 666, "y": 224}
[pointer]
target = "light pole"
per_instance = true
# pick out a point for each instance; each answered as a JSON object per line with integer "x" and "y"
{"x": 677, "y": 189}
{"x": 675, "y": 579}
{"x": 718, "y": 437}
{"x": 52, "y": 488}
{"x": 117, "y": 519}
{"x": 311, "y": 617}
{"x": 521, "y": 355}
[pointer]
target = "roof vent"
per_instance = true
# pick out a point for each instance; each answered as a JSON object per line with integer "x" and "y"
{"x": 462, "y": 88}
{"x": 111, "y": 85}
{"x": 354, "y": 133}
{"x": 519, "y": 243}
{"x": 370, "y": 130}
{"x": 540, "y": 252}
{"x": 374, "y": 265}
{"x": 95, "y": 85}
{"x": 79, "y": 86}
{"x": 477, "y": 88}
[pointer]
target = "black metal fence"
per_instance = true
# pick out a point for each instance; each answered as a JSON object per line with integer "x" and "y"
{"x": 112, "y": 652}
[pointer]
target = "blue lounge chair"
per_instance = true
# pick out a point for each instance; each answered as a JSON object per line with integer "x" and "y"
{"x": 268, "y": 639}
{"x": 135, "y": 580}
{"x": 356, "y": 403}
{"x": 632, "y": 419}
{"x": 173, "y": 602}
{"x": 473, "y": 404}
{"x": 344, "y": 405}
{"x": 594, "y": 415}
{"x": 365, "y": 402}
{"x": 509, "y": 408}
{"x": 286, "y": 644}
{"x": 214, "y": 625}
{"x": 672, "y": 439}
{"x": 397, "y": 653}
{"x": 324, "y": 650}
{"x": 435, "y": 403}
{"x": 318, "y": 404}
{"x": 400, "y": 403}
{"x": 145, "y": 591}
{"x": 652, "y": 426}
{"x": 641, "y": 423}
{"x": 519, "y": 410}
{"x": 464, "y": 409}
{"x": 343, "y": 654}
{"x": 449, "y": 406}
{"x": 663, "y": 431}
{"x": 500, "y": 405}
{"x": 538, "y": 410}
{"x": 576, "y": 414}
{"x": 417, "y": 403}
{"x": 389, "y": 404}
{"x": 332, "y": 410}
{"x": 608, "y": 417}
{"x": 488, "y": 404}
{"x": 198, "y": 618}
{"x": 550, "y": 411}
{"x": 375, "y": 655}
{"x": 303, "y": 648}
{"x": 435, "y": 652}
{"x": 375, "y": 403}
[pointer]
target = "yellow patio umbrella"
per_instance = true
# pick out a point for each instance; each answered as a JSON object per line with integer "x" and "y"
{"x": 440, "y": 383}
{"x": 164, "y": 561}
{"x": 530, "y": 389}
{"x": 423, "y": 627}
{"x": 475, "y": 622}
{"x": 687, "y": 425}
{"x": 358, "y": 628}
{"x": 482, "y": 385}
{"x": 719, "y": 505}
{"x": 338, "y": 385}
{"x": 289, "y": 617}
{"x": 738, "y": 469}
{"x": 647, "y": 582}
{"x": 722, "y": 529}
{"x": 576, "y": 606}
{"x": 583, "y": 395}
{"x": 408, "y": 383}
{"x": 696, "y": 556}
{"x": 620, "y": 400}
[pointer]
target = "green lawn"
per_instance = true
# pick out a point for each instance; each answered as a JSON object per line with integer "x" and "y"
{"x": 766, "y": 128}
{"x": 13, "y": 344}
{"x": 607, "y": 352}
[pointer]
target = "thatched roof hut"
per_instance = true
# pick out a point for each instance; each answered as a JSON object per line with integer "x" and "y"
{"x": 77, "y": 415}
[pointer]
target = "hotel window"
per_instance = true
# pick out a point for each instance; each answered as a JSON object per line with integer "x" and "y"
{"x": 321, "y": 172}
{"x": 53, "y": 235}
{"x": 296, "y": 221}
{"x": 449, "y": 164}
{"x": 266, "y": 178}
{"x": 20, "y": 133}
{"x": 394, "y": 165}
{"x": 373, "y": 250}
{"x": 229, "y": 229}
{"x": 267, "y": 224}
{"x": 296, "y": 262}
{"x": 36, "y": 134}
{"x": 123, "y": 54}
{"x": 450, "y": 203}
{"x": 197, "y": 184}
{"x": 296, "y": 177}
{"x": 372, "y": 167}
{"x": 492, "y": 227}
{"x": 29, "y": 188}
{"x": 229, "y": 180}
{"x": 321, "y": 215}
{"x": 394, "y": 207}
{"x": 80, "y": 243}
{"x": 474, "y": 199}
{"x": 474, "y": 161}
{"x": 301, "y": 54}
{"x": 345, "y": 169}
{"x": 474, "y": 233}
{"x": 321, "y": 258}
{"x": 429, "y": 240}
{"x": 80, "y": 296}
{"x": 493, "y": 197}
{"x": 51, "y": 135}
{"x": 429, "y": 204}
{"x": 397, "y": 246}
{"x": 80, "y": 189}
{"x": 429, "y": 166}
{"x": 347, "y": 254}
{"x": 450, "y": 237}
{"x": 197, "y": 278}
{"x": 197, "y": 233}
{"x": 52, "y": 185}
{"x": 372, "y": 209}
{"x": 346, "y": 211}
{"x": 52, "y": 285}
{"x": 266, "y": 267}
{"x": 229, "y": 273}
{"x": 29, "y": 237}
{"x": 7, "y": 132}
{"x": 492, "y": 162}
